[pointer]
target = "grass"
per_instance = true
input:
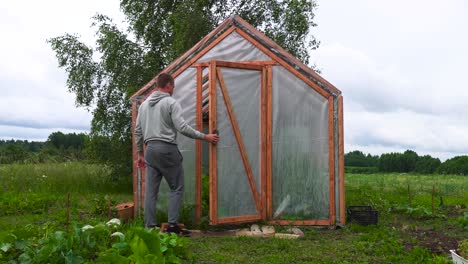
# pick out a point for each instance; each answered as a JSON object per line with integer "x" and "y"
{"x": 408, "y": 231}
{"x": 37, "y": 193}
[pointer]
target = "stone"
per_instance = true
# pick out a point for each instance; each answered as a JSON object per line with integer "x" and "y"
{"x": 244, "y": 232}
{"x": 286, "y": 236}
{"x": 255, "y": 228}
{"x": 296, "y": 231}
{"x": 268, "y": 231}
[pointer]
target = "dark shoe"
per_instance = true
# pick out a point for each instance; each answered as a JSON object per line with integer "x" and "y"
{"x": 175, "y": 229}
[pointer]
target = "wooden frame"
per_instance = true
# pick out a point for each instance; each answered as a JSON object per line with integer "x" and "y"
{"x": 213, "y": 161}
{"x": 259, "y": 200}
{"x": 293, "y": 65}
{"x": 198, "y": 148}
{"x": 251, "y": 65}
{"x": 263, "y": 143}
{"x": 341, "y": 165}
{"x": 240, "y": 142}
{"x": 283, "y": 63}
{"x": 134, "y": 156}
{"x": 269, "y": 138}
{"x": 331, "y": 147}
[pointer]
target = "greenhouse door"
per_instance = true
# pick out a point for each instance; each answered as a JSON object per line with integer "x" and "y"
{"x": 237, "y": 112}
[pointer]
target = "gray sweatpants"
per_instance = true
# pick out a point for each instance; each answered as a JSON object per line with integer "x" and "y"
{"x": 163, "y": 159}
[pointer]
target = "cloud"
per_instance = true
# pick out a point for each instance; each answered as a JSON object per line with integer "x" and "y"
{"x": 387, "y": 110}
{"x": 35, "y": 100}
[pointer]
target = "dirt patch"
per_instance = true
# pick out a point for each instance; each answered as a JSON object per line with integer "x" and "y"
{"x": 435, "y": 241}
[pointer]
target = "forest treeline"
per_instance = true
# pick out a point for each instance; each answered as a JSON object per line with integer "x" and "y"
{"x": 408, "y": 161}
{"x": 60, "y": 147}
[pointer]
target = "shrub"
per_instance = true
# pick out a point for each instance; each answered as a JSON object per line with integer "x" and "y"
{"x": 361, "y": 170}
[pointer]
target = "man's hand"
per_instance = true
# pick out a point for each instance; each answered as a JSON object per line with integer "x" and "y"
{"x": 141, "y": 160}
{"x": 212, "y": 138}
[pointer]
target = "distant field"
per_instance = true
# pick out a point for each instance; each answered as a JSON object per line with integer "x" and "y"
{"x": 409, "y": 230}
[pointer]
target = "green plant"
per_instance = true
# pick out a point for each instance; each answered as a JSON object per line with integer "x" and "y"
{"x": 102, "y": 243}
{"x": 463, "y": 248}
{"x": 463, "y": 221}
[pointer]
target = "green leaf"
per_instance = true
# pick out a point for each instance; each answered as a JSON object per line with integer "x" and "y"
{"x": 5, "y": 247}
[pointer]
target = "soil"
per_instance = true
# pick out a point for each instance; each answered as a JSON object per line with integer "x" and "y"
{"x": 435, "y": 241}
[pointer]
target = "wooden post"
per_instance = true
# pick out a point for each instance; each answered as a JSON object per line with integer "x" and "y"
{"x": 67, "y": 224}
{"x": 198, "y": 149}
{"x": 213, "y": 155}
{"x": 433, "y": 194}
{"x": 331, "y": 149}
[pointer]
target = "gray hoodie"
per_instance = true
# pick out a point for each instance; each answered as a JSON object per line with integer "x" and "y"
{"x": 160, "y": 118}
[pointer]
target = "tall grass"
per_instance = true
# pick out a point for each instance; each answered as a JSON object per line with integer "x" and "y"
{"x": 387, "y": 191}
{"x": 38, "y": 189}
{"x": 61, "y": 178}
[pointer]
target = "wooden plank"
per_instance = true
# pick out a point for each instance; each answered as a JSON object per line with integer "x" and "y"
{"x": 240, "y": 143}
{"x": 300, "y": 222}
{"x": 331, "y": 158}
{"x": 239, "y": 219}
{"x": 263, "y": 126}
{"x": 284, "y": 64}
{"x": 261, "y": 63}
{"x": 134, "y": 158}
{"x": 202, "y": 42}
{"x": 341, "y": 160}
{"x": 293, "y": 59}
{"x": 205, "y": 96}
{"x": 213, "y": 156}
{"x": 205, "y": 86}
{"x": 269, "y": 127}
{"x": 198, "y": 149}
{"x": 239, "y": 65}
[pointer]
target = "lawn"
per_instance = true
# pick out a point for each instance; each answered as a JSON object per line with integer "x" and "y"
{"x": 421, "y": 216}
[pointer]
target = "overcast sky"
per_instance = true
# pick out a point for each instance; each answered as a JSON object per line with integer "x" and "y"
{"x": 401, "y": 66}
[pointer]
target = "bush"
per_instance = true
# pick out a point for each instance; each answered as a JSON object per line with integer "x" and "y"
{"x": 457, "y": 165}
{"x": 361, "y": 170}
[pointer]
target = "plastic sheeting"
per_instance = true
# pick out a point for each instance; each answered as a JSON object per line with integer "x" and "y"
{"x": 234, "y": 48}
{"x": 235, "y": 197}
{"x": 300, "y": 173}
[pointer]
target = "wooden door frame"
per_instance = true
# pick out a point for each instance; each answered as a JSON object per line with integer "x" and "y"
{"x": 265, "y": 211}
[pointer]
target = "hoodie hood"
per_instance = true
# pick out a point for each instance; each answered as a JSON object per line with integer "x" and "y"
{"x": 156, "y": 97}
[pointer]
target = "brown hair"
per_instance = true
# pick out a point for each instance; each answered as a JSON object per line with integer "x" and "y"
{"x": 164, "y": 79}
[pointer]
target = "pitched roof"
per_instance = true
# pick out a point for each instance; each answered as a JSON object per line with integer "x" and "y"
{"x": 240, "y": 25}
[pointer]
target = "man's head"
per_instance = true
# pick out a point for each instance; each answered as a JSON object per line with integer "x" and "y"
{"x": 165, "y": 82}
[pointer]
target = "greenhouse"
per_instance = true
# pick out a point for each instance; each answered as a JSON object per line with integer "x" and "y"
{"x": 280, "y": 154}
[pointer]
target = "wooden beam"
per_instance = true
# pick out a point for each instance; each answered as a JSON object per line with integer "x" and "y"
{"x": 263, "y": 126}
{"x": 260, "y": 63}
{"x": 213, "y": 155}
{"x": 313, "y": 85}
{"x": 341, "y": 160}
{"x": 198, "y": 149}
{"x": 331, "y": 158}
{"x": 239, "y": 65}
{"x": 205, "y": 96}
{"x": 239, "y": 219}
{"x": 269, "y": 127}
{"x": 205, "y": 86}
{"x": 301, "y": 222}
{"x": 134, "y": 159}
{"x": 240, "y": 143}
{"x": 293, "y": 59}
{"x": 197, "y": 46}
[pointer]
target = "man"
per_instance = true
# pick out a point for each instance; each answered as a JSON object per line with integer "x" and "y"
{"x": 158, "y": 121}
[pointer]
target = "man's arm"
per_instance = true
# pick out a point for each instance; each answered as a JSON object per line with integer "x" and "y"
{"x": 185, "y": 129}
{"x": 181, "y": 125}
